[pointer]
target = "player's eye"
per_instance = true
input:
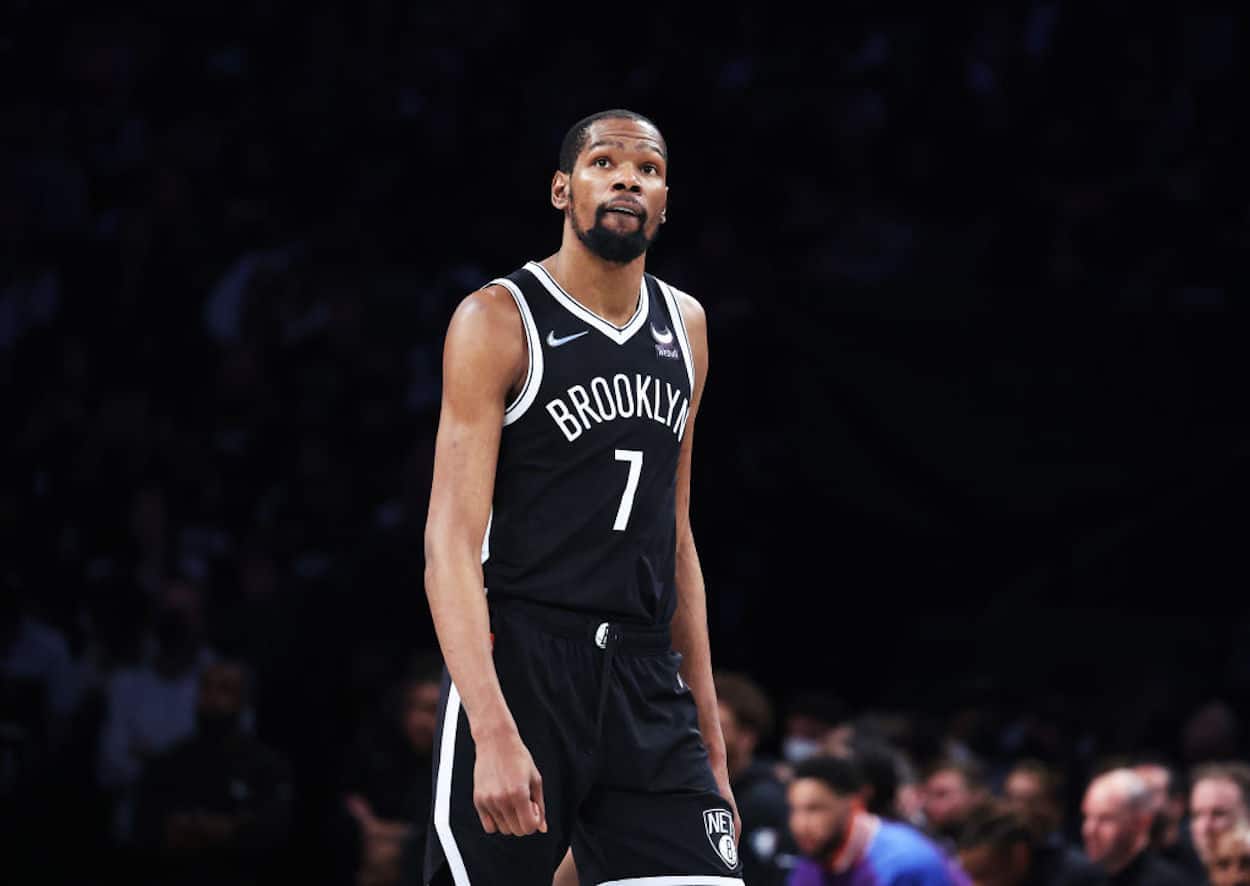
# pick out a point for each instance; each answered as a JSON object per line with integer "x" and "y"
{"x": 601, "y": 162}
{"x": 650, "y": 169}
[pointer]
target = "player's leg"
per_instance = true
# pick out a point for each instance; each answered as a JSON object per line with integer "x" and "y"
{"x": 629, "y": 838}
{"x": 655, "y": 817}
{"x": 459, "y": 852}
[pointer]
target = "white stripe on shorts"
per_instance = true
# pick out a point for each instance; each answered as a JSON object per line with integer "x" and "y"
{"x": 442, "y": 791}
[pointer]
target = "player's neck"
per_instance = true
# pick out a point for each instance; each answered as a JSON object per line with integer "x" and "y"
{"x": 606, "y": 288}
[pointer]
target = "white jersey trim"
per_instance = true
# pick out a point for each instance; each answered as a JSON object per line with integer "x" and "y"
{"x": 675, "y": 881}
{"x": 679, "y": 322}
{"x": 618, "y": 334}
{"x": 533, "y": 346}
{"x": 442, "y": 790}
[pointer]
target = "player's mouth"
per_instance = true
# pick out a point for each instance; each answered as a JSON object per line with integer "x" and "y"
{"x": 629, "y": 208}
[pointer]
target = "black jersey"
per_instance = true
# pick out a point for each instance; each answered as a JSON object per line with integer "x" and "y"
{"x": 583, "y": 515}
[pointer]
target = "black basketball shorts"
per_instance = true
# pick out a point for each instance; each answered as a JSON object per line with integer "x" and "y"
{"x": 614, "y": 733}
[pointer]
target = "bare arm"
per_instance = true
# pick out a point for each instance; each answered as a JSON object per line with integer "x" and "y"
{"x": 690, "y": 636}
{"x": 483, "y": 358}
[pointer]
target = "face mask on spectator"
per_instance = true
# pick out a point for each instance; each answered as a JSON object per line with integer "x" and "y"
{"x": 795, "y": 748}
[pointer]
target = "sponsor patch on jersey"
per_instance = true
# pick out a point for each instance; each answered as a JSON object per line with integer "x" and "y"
{"x": 664, "y": 346}
{"x": 719, "y": 826}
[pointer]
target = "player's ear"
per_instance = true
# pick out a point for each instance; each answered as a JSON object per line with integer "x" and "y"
{"x": 560, "y": 191}
{"x": 664, "y": 211}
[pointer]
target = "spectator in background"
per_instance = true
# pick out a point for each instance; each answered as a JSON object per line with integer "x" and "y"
{"x": 1219, "y": 800}
{"x": 151, "y": 707}
{"x": 952, "y": 788}
{"x": 216, "y": 807}
{"x": 1230, "y": 858}
{"x": 1035, "y": 790}
{"x": 878, "y": 762}
{"x": 386, "y": 791}
{"x": 874, "y": 740}
{"x": 1170, "y": 834}
{"x": 909, "y": 798}
{"x": 811, "y": 717}
{"x": 39, "y": 689}
{"x": 746, "y": 717}
{"x": 892, "y": 789}
{"x": 844, "y": 844}
{"x": 999, "y": 846}
{"x": 150, "y": 542}
{"x": 1116, "y": 830}
{"x": 254, "y": 623}
{"x": 37, "y": 670}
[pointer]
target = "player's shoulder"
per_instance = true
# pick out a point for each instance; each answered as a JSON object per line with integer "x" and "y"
{"x": 485, "y": 335}
{"x": 488, "y": 308}
{"x": 490, "y": 298}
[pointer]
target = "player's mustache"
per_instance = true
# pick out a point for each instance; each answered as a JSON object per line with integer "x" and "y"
{"x": 604, "y": 208}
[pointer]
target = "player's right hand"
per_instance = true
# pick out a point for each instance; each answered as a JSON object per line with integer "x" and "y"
{"x": 507, "y": 789}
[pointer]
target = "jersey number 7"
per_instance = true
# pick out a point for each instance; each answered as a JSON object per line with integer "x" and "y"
{"x": 634, "y": 457}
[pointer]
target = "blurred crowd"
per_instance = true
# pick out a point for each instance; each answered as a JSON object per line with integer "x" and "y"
{"x": 1006, "y": 804}
{"x": 230, "y": 238}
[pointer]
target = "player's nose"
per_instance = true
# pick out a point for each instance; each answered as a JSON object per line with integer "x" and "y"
{"x": 627, "y": 179}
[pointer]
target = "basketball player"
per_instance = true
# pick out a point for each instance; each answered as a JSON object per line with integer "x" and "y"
{"x": 561, "y": 573}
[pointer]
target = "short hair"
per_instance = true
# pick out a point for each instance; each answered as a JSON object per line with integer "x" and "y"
{"x": 1049, "y": 777}
{"x": 747, "y": 700}
{"x": 1225, "y": 770}
{"x": 425, "y": 666}
{"x": 1132, "y": 787}
{"x": 575, "y": 139}
{"x": 993, "y": 824}
{"x": 840, "y": 775}
{"x": 970, "y": 768}
{"x": 878, "y": 763}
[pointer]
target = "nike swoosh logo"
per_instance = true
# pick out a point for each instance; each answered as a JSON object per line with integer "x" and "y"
{"x": 556, "y": 342}
{"x": 664, "y": 338}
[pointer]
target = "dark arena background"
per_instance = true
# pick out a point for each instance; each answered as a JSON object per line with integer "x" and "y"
{"x": 971, "y": 463}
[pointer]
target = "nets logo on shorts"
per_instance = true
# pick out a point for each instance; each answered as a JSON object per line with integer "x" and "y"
{"x": 719, "y": 825}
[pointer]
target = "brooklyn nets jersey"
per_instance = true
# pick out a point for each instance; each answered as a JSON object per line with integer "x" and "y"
{"x": 583, "y": 515}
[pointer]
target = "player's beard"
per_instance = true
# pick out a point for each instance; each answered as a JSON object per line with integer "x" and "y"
{"x": 611, "y": 245}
